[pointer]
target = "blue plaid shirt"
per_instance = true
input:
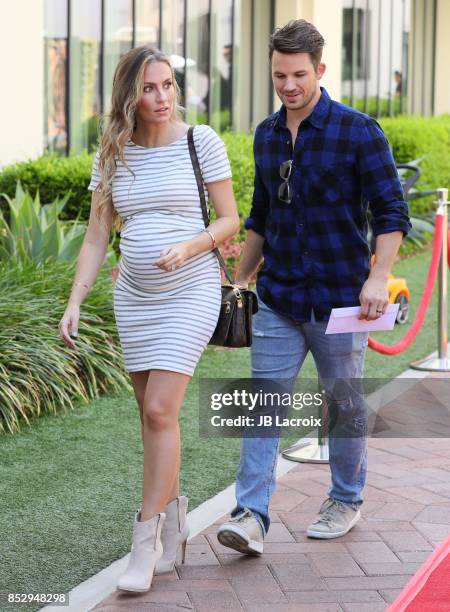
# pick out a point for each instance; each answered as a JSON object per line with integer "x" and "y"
{"x": 316, "y": 253}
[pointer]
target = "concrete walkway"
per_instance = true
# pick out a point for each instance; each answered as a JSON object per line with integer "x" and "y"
{"x": 405, "y": 516}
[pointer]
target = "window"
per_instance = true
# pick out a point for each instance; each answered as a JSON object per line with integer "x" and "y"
{"x": 197, "y": 62}
{"x": 172, "y": 37}
{"x": 218, "y": 49}
{"x": 221, "y": 62}
{"x": 374, "y": 53}
{"x": 352, "y": 44}
{"x": 147, "y": 22}
{"x": 55, "y": 50}
{"x": 118, "y": 36}
{"x": 85, "y": 37}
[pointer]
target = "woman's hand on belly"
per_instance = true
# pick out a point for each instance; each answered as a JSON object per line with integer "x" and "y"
{"x": 173, "y": 257}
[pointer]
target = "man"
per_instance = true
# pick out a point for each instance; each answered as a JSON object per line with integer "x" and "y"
{"x": 318, "y": 166}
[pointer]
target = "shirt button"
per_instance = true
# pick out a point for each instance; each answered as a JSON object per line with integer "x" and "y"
{"x": 288, "y": 142}
{"x": 305, "y": 252}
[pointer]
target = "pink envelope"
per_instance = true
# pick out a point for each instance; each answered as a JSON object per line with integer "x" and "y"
{"x": 344, "y": 320}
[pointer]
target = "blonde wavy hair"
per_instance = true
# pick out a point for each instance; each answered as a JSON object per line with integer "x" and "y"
{"x": 117, "y": 127}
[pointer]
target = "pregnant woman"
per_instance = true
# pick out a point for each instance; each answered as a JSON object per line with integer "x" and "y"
{"x": 167, "y": 294}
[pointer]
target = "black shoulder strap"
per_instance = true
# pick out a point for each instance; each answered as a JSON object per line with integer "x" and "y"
{"x": 201, "y": 192}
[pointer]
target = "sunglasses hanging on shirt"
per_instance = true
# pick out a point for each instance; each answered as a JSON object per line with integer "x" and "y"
{"x": 284, "y": 190}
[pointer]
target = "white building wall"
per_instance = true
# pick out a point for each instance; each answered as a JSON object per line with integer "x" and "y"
{"x": 442, "y": 72}
{"x": 327, "y": 17}
{"x": 22, "y": 79}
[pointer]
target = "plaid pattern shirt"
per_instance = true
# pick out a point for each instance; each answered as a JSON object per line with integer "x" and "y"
{"x": 316, "y": 253}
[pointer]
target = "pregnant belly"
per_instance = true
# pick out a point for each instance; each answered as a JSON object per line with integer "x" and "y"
{"x": 142, "y": 240}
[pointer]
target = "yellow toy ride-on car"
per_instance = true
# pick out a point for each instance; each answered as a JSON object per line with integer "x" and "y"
{"x": 398, "y": 294}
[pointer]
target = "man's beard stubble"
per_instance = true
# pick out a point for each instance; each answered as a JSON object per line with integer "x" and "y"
{"x": 302, "y": 104}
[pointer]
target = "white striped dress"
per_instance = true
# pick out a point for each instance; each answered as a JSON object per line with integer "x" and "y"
{"x": 165, "y": 319}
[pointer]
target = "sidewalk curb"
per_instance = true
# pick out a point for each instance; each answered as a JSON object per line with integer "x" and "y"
{"x": 92, "y": 591}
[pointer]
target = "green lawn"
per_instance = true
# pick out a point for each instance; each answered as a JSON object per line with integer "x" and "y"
{"x": 71, "y": 483}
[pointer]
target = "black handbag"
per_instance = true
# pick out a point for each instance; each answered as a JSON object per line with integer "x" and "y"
{"x": 234, "y": 325}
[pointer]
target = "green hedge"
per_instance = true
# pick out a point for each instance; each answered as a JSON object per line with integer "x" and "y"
{"x": 240, "y": 152}
{"x": 54, "y": 176}
{"x": 375, "y": 108}
{"x": 410, "y": 137}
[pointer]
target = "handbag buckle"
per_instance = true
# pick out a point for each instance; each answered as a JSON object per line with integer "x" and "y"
{"x": 237, "y": 292}
{"x": 227, "y": 308}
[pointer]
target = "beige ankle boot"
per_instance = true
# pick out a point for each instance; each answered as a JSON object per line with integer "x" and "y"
{"x": 145, "y": 552}
{"x": 174, "y": 534}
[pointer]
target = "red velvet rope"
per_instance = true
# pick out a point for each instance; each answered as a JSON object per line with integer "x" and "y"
{"x": 426, "y": 297}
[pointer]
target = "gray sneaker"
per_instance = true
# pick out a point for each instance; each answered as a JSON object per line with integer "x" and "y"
{"x": 243, "y": 533}
{"x": 335, "y": 519}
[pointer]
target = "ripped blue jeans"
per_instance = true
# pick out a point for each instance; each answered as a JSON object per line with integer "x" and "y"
{"x": 279, "y": 349}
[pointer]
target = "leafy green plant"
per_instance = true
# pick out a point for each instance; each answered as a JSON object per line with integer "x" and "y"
{"x": 38, "y": 372}
{"x": 36, "y": 232}
{"x": 419, "y": 236}
{"x": 422, "y": 225}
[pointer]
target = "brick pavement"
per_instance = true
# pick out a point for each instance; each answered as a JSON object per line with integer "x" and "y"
{"x": 405, "y": 516}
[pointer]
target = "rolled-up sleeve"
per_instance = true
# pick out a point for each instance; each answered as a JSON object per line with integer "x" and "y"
{"x": 256, "y": 221}
{"x": 380, "y": 183}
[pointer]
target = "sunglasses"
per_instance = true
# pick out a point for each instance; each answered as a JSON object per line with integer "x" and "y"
{"x": 284, "y": 190}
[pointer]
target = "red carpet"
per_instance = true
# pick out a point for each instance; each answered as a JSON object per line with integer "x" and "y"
{"x": 429, "y": 588}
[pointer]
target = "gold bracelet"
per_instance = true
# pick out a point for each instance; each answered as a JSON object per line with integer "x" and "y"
{"x": 212, "y": 237}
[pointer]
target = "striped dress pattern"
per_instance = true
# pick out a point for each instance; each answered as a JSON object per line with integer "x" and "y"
{"x": 164, "y": 319}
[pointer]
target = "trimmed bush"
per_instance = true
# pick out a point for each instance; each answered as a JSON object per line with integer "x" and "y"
{"x": 414, "y": 137}
{"x": 410, "y": 138}
{"x": 54, "y": 176}
{"x": 240, "y": 152}
{"x": 375, "y": 109}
